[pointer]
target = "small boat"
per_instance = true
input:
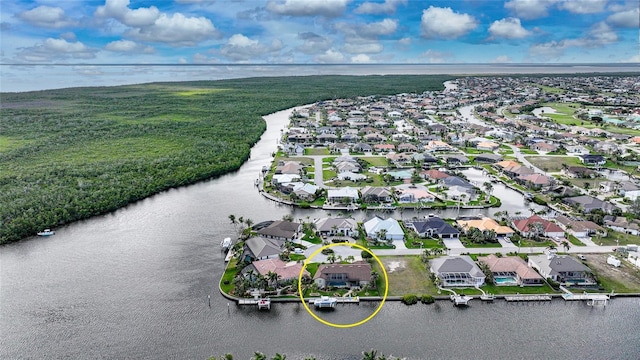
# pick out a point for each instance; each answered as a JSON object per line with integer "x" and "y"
{"x": 226, "y": 244}
{"x": 528, "y": 196}
{"x": 46, "y": 232}
{"x": 325, "y": 302}
{"x": 264, "y": 303}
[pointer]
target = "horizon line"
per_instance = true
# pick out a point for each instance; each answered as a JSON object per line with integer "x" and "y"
{"x": 333, "y": 64}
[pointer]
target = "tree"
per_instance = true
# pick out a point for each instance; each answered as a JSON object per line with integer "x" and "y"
{"x": 374, "y": 279}
{"x": 259, "y": 356}
{"x": 279, "y": 357}
{"x": 232, "y": 218}
{"x": 382, "y": 234}
{"x": 488, "y": 187}
{"x": 566, "y": 245}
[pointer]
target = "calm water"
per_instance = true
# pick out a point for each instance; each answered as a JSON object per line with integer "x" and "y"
{"x": 134, "y": 284}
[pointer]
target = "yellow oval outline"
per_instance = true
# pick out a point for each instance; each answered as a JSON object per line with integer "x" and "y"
{"x": 384, "y": 297}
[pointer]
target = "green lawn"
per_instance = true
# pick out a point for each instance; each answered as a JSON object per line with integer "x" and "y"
{"x": 553, "y": 163}
{"x": 316, "y": 151}
{"x": 377, "y": 161}
{"x": 407, "y": 275}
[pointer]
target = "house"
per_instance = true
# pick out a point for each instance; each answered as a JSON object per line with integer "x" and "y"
{"x": 544, "y": 147}
{"x": 592, "y": 160}
{"x": 588, "y": 203}
{"x": 487, "y": 158}
{"x": 434, "y": 175}
{"x": 336, "y": 227}
{"x": 508, "y": 268}
{"x": 563, "y": 269}
{"x": 483, "y": 224}
{"x": 260, "y": 248}
{"x": 376, "y": 194}
{"x": 456, "y": 159}
{"x": 289, "y": 167}
{"x": 580, "y": 228}
{"x": 357, "y": 274}
{"x": 281, "y": 230}
{"x": 409, "y": 193}
{"x": 389, "y": 227}
{"x": 579, "y": 172}
{"x": 457, "y": 271}
{"x": 622, "y": 224}
{"x": 546, "y": 228}
{"x": 305, "y": 191}
{"x": 433, "y": 226}
{"x": 535, "y": 181}
{"x": 343, "y": 195}
{"x": 487, "y": 145}
{"x": 285, "y": 270}
{"x": 351, "y": 176}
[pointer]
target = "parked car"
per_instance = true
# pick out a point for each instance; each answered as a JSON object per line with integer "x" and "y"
{"x": 582, "y": 257}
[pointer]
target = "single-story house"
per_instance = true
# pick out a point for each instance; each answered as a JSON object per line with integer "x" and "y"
{"x": 260, "y": 248}
{"x": 580, "y": 228}
{"x": 622, "y": 224}
{"x": 455, "y": 271}
{"x": 285, "y": 270}
{"x": 336, "y": 226}
{"x": 511, "y": 270}
{"x": 434, "y": 226}
{"x": 340, "y": 195}
{"x": 391, "y": 228}
{"x": 281, "y": 230}
{"x": 357, "y": 274}
{"x": 564, "y": 269}
{"x": 409, "y": 193}
{"x": 588, "y": 203}
{"x": 546, "y": 227}
{"x": 485, "y": 223}
{"x": 376, "y": 194}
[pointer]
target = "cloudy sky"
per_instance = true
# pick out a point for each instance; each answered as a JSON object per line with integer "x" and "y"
{"x": 318, "y": 31}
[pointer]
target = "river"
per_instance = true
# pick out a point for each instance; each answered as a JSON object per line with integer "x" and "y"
{"x": 135, "y": 284}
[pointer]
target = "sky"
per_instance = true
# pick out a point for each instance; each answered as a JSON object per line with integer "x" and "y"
{"x": 318, "y": 31}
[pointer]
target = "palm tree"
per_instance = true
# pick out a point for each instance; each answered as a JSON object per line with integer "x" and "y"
{"x": 374, "y": 279}
{"x": 371, "y": 355}
{"x": 232, "y": 218}
{"x": 331, "y": 258}
{"x": 273, "y": 278}
{"x": 259, "y": 356}
{"x": 279, "y": 357}
{"x": 566, "y": 245}
{"x": 382, "y": 234}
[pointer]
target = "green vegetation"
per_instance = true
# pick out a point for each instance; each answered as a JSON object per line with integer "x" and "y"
{"x": 71, "y": 154}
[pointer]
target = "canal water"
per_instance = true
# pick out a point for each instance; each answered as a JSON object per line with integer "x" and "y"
{"x": 135, "y": 284}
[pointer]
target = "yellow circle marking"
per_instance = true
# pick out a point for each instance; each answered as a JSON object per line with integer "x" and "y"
{"x": 384, "y": 297}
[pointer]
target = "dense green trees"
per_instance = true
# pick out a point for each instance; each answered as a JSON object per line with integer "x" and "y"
{"x": 70, "y": 154}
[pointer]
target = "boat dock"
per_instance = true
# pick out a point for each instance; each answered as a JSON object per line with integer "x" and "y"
{"x": 591, "y": 298}
{"x": 261, "y": 303}
{"x": 338, "y": 300}
{"x": 229, "y": 255}
{"x": 528, "y": 298}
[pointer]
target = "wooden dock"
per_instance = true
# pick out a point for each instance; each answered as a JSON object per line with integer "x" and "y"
{"x": 528, "y": 298}
{"x": 591, "y": 298}
{"x": 341, "y": 300}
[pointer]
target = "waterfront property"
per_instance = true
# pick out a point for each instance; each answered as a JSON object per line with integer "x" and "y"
{"x": 433, "y": 226}
{"x": 563, "y": 269}
{"x": 357, "y": 274}
{"x": 389, "y": 229}
{"x": 457, "y": 271}
{"x": 260, "y": 248}
{"x": 511, "y": 270}
{"x": 485, "y": 223}
{"x": 281, "y": 230}
{"x": 284, "y": 270}
{"x": 537, "y": 226}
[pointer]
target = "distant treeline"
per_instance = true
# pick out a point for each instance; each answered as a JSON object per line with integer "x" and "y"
{"x": 74, "y": 153}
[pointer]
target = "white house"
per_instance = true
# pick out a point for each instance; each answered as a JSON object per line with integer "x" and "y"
{"x": 343, "y": 194}
{"x": 391, "y": 226}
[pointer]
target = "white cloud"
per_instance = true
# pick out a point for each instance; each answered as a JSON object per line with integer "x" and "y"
{"x": 242, "y": 48}
{"x": 583, "y": 6}
{"x": 599, "y": 35}
{"x": 530, "y": 9}
{"x": 46, "y": 16}
{"x": 119, "y": 10}
{"x": 625, "y": 19}
{"x": 388, "y": 7}
{"x": 330, "y": 56}
{"x": 384, "y": 27}
{"x": 177, "y": 30}
{"x": 405, "y": 41}
{"x": 363, "y": 47}
{"x": 361, "y": 59}
{"x": 433, "y": 56}
{"x": 56, "y": 49}
{"x": 327, "y": 8}
{"x": 509, "y": 28}
{"x": 313, "y": 43}
{"x": 128, "y": 46}
{"x": 444, "y": 23}
{"x": 502, "y": 59}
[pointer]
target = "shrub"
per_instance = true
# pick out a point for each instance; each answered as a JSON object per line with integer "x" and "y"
{"x": 366, "y": 254}
{"x": 427, "y": 299}
{"x": 410, "y": 299}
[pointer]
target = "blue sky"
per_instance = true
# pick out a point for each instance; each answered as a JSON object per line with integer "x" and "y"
{"x": 319, "y": 31}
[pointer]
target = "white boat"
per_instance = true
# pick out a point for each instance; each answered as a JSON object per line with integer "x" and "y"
{"x": 46, "y": 232}
{"x": 325, "y": 302}
{"x": 264, "y": 303}
{"x": 225, "y": 243}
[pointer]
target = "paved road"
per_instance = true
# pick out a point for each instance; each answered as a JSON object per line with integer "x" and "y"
{"x": 503, "y": 250}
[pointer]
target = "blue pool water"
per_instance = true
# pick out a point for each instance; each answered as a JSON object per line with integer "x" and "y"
{"x": 503, "y": 280}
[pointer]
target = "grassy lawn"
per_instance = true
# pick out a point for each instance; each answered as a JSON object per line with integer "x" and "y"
{"x": 593, "y": 183}
{"x": 426, "y": 244}
{"x": 407, "y": 275}
{"x": 612, "y": 236}
{"x": 469, "y": 244}
{"x": 377, "y": 161}
{"x": 574, "y": 241}
{"x": 553, "y": 163}
{"x": 229, "y": 273}
{"x": 498, "y": 290}
{"x": 528, "y": 151}
{"x": 328, "y": 174}
{"x": 316, "y": 151}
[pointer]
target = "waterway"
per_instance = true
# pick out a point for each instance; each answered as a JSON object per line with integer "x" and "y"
{"x": 135, "y": 284}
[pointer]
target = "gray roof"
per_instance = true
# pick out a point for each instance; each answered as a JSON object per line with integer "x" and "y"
{"x": 263, "y": 247}
{"x": 280, "y": 229}
{"x": 456, "y": 264}
{"x": 440, "y": 226}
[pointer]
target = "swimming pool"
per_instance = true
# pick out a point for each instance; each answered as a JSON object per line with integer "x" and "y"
{"x": 505, "y": 280}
